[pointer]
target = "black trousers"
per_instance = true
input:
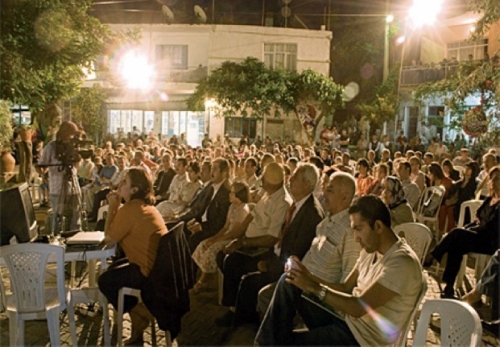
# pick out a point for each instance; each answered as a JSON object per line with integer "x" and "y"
{"x": 121, "y": 274}
{"x": 98, "y": 197}
{"x": 456, "y": 244}
{"x": 234, "y": 266}
{"x": 248, "y": 294}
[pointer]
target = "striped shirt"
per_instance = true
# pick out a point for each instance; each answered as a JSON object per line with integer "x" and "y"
{"x": 334, "y": 251}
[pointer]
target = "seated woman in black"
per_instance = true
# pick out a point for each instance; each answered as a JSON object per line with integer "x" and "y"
{"x": 480, "y": 236}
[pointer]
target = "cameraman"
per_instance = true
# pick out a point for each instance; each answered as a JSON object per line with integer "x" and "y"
{"x": 64, "y": 190}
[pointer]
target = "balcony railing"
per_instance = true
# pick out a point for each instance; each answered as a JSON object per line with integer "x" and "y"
{"x": 192, "y": 75}
{"x": 183, "y": 76}
{"x": 415, "y": 75}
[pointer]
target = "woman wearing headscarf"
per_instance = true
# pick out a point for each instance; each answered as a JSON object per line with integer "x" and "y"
{"x": 393, "y": 196}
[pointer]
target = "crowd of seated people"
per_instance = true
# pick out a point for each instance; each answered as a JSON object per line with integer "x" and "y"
{"x": 248, "y": 209}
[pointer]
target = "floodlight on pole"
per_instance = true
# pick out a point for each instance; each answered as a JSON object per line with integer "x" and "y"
{"x": 424, "y": 12}
{"x": 136, "y": 71}
{"x": 388, "y": 20}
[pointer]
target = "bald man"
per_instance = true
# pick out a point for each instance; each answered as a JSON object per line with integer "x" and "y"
{"x": 259, "y": 231}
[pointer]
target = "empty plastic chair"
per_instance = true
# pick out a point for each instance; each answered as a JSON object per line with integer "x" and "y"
{"x": 460, "y": 324}
{"x": 30, "y": 298}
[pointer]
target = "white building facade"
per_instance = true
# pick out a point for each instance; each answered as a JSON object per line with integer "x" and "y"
{"x": 181, "y": 55}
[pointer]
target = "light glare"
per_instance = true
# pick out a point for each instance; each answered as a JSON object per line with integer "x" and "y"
{"x": 400, "y": 40}
{"x": 424, "y": 12}
{"x": 136, "y": 71}
{"x": 210, "y": 103}
{"x": 389, "y": 18}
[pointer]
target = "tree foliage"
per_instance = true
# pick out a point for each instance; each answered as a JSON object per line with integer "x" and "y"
{"x": 6, "y": 130}
{"x": 472, "y": 78}
{"x": 490, "y": 10}
{"x": 384, "y": 106}
{"x": 86, "y": 109}
{"x": 44, "y": 46}
{"x": 250, "y": 88}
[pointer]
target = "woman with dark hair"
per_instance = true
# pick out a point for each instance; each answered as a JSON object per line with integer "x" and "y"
{"x": 365, "y": 180}
{"x": 481, "y": 236}
{"x": 137, "y": 227}
{"x": 206, "y": 252}
{"x": 393, "y": 196}
{"x": 449, "y": 170}
{"x": 438, "y": 178}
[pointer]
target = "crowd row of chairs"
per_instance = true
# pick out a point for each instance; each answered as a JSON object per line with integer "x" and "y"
{"x": 460, "y": 324}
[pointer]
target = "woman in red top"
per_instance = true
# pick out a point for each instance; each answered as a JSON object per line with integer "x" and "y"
{"x": 364, "y": 180}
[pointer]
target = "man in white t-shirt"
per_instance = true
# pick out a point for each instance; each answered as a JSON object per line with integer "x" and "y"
{"x": 376, "y": 299}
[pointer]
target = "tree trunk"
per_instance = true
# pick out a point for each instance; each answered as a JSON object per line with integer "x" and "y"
{"x": 25, "y": 160}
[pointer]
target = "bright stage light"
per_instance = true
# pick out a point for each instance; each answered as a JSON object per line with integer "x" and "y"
{"x": 424, "y": 12}
{"x": 136, "y": 71}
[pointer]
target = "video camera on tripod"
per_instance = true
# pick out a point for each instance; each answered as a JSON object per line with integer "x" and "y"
{"x": 70, "y": 152}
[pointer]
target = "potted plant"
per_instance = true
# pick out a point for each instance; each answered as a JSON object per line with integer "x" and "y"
{"x": 7, "y": 162}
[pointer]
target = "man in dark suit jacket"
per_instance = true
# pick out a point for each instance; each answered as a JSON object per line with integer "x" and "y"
{"x": 214, "y": 216}
{"x": 201, "y": 199}
{"x": 297, "y": 233}
{"x": 164, "y": 178}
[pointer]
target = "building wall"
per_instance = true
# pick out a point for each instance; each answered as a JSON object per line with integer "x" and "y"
{"x": 236, "y": 42}
{"x": 207, "y": 47}
{"x": 435, "y": 39}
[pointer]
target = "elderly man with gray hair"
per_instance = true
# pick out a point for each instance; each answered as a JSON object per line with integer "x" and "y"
{"x": 334, "y": 251}
{"x": 276, "y": 222}
{"x": 297, "y": 233}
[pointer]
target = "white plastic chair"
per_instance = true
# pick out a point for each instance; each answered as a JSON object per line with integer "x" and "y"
{"x": 418, "y": 236}
{"x": 401, "y": 341}
{"x": 460, "y": 324}
{"x": 480, "y": 259}
{"x": 432, "y": 220}
{"x": 119, "y": 318}
{"x": 27, "y": 264}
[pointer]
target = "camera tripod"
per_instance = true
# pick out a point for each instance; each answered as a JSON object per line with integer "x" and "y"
{"x": 69, "y": 204}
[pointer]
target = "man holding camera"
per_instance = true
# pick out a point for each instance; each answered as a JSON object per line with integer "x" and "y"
{"x": 64, "y": 190}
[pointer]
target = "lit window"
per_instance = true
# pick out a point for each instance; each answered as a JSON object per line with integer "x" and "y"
{"x": 172, "y": 56}
{"x": 464, "y": 49}
{"x": 281, "y": 56}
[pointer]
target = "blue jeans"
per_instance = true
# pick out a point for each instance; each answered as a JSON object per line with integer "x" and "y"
{"x": 277, "y": 326}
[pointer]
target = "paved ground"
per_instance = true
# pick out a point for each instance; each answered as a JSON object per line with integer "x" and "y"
{"x": 198, "y": 325}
